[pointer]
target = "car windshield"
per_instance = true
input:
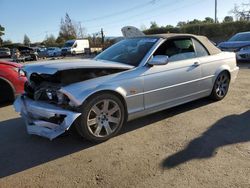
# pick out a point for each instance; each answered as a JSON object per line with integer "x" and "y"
{"x": 128, "y": 51}
{"x": 241, "y": 37}
{"x": 68, "y": 44}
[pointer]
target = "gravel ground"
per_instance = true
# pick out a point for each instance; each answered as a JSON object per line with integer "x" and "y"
{"x": 200, "y": 144}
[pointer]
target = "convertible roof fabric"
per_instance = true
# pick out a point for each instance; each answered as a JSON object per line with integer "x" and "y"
{"x": 212, "y": 49}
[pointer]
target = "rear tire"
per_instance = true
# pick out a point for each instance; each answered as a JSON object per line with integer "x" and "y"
{"x": 102, "y": 117}
{"x": 221, "y": 86}
{"x": 6, "y": 92}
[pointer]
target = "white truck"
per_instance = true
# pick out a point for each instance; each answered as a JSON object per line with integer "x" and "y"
{"x": 74, "y": 47}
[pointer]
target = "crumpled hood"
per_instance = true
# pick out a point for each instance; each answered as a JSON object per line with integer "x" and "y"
{"x": 236, "y": 44}
{"x": 60, "y": 65}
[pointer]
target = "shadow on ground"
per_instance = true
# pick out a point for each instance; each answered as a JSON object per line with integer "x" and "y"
{"x": 20, "y": 151}
{"x": 232, "y": 129}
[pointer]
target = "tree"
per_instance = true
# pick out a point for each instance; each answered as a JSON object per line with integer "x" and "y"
{"x": 153, "y": 25}
{"x": 228, "y": 19}
{"x": 181, "y": 24}
{"x": 1, "y": 34}
{"x": 242, "y": 12}
{"x": 26, "y": 40}
{"x": 208, "y": 20}
{"x": 50, "y": 41}
{"x": 68, "y": 30}
{"x": 81, "y": 31}
{"x": 195, "y": 21}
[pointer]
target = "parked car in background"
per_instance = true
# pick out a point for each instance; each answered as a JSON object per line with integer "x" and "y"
{"x": 41, "y": 52}
{"x": 26, "y": 54}
{"x": 5, "y": 52}
{"x": 74, "y": 47}
{"x": 11, "y": 80}
{"x": 53, "y": 52}
{"x": 133, "y": 78}
{"x": 240, "y": 44}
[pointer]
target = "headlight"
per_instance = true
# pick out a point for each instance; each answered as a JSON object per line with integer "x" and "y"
{"x": 245, "y": 48}
{"x": 21, "y": 73}
{"x": 61, "y": 98}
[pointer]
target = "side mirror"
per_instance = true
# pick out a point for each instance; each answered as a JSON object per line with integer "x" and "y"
{"x": 159, "y": 60}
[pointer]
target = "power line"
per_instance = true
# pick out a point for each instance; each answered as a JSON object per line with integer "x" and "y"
{"x": 114, "y": 23}
{"x": 151, "y": 2}
{"x": 169, "y": 4}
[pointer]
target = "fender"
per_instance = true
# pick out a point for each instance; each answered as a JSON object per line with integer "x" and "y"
{"x": 221, "y": 69}
{"x": 87, "y": 93}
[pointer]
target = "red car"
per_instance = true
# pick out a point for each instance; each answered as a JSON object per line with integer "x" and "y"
{"x": 11, "y": 81}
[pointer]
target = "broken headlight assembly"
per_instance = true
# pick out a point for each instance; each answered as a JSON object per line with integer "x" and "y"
{"x": 51, "y": 96}
{"x": 56, "y": 97}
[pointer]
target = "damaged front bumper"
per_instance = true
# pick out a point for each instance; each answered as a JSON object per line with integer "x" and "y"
{"x": 44, "y": 119}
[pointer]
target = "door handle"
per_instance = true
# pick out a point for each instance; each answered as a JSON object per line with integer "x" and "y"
{"x": 196, "y": 64}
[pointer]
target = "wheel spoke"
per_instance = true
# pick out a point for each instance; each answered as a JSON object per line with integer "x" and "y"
{"x": 92, "y": 121}
{"x": 113, "y": 119}
{"x": 223, "y": 91}
{"x": 108, "y": 128}
{"x": 98, "y": 130}
{"x": 217, "y": 90}
{"x": 220, "y": 93}
{"x": 224, "y": 86}
{"x": 96, "y": 110}
{"x": 105, "y": 106}
{"x": 113, "y": 110}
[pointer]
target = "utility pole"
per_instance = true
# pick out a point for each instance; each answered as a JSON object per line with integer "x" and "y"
{"x": 102, "y": 34}
{"x": 80, "y": 25}
{"x": 215, "y": 14}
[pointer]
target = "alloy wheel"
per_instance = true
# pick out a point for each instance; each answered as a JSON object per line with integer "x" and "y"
{"x": 104, "y": 118}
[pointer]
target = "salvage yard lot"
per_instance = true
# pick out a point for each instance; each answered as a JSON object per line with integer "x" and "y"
{"x": 199, "y": 144}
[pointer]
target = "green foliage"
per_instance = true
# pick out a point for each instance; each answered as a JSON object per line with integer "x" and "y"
{"x": 228, "y": 19}
{"x": 1, "y": 30}
{"x": 153, "y": 25}
{"x": 1, "y": 34}
{"x": 214, "y": 31}
{"x": 68, "y": 30}
{"x": 50, "y": 41}
{"x": 208, "y": 20}
{"x": 26, "y": 40}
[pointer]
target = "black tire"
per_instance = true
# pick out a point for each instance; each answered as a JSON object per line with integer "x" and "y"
{"x": 87, "y": 108}
{"x": 221, "y": 86}
{"x": 6, "y": 92}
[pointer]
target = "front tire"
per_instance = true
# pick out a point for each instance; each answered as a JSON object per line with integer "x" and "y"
{"x": 6, "y": 92}
{"x": 221, "y": 86}
{"x": 102, "y": 117}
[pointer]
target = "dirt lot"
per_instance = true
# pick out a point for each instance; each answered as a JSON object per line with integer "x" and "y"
{"x": 200, "y": 144}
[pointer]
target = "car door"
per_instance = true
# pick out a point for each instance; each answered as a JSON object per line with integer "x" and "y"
{"x": 176, "y": 82}
{"x": 208, "y": 63}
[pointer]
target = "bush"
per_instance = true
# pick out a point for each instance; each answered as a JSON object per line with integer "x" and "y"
{"x": 215, "y": 31}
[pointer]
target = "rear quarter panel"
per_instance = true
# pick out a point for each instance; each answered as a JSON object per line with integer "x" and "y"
{"x": 212, "y": 66}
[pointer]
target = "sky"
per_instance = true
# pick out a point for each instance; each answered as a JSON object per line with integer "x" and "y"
{"x": 38, "y": 18}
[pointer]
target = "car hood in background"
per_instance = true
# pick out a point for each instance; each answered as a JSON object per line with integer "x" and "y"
{"x": 235, "y": 45}
{"x": 52, "y": 68}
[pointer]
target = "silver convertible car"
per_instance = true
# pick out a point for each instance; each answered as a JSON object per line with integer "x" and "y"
{"x": 133, "y": 78}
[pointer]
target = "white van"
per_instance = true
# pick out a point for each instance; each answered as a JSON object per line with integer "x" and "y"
{"x": 76, "y": 46}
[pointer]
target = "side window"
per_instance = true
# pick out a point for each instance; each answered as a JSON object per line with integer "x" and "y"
{"x": 177, "y": 49}
{"x": 200, "y": 49}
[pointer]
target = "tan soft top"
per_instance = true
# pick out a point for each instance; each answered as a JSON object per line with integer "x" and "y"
{"x": 212, "y": 49}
